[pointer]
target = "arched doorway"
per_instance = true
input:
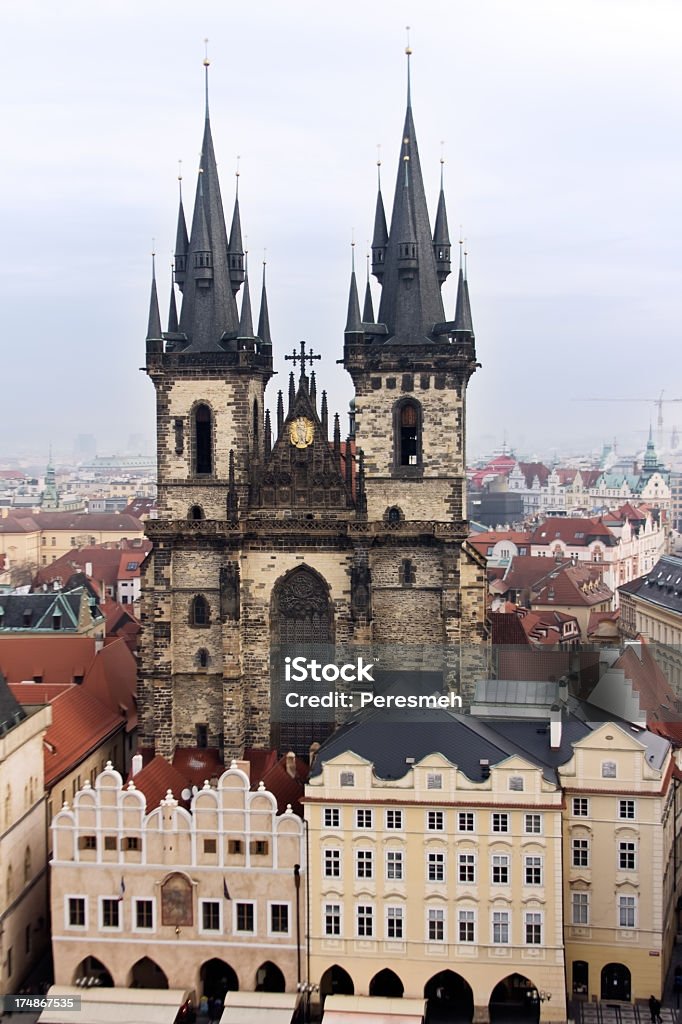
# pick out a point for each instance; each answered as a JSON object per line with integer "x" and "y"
{"x": 147, "y": 974}
{"x": 301, "y": 626}
{"x": 514, "y": 998}
{"x": 217, "y": 978}
{"x": 92, "y": 968}
{"x": 269, "y": 978}
{"x": 336, "y": 982}
{"x": 450, "y": 999}
{"x": 615, "y": 982}
{"x": 386, "y": 983}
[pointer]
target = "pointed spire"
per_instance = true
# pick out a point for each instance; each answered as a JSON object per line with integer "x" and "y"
{"x": 353, "y": 320}
{"x": 411, "y": 300}
{"x": 280, "y": 413}
{"x": 324, "y": 416}
{"x": 441, "y": 235}
{"x": 368, "y": 308}
{"x": 235, "y": 248}
{"x": 268, "y": 433}
{"x": 246, "y": 320}
{"x": 154, "y": 324}
{"x": 181, "y": 238}
{"x": 292, "y": 391}
{"x": 380, "y": 236}
{"x": 313, "y": 391}
{"x": 337, "y": 434}
{"x": 172, "y": 309}
{"x": 264, "y": 317}
{"x": 408, "y": 52}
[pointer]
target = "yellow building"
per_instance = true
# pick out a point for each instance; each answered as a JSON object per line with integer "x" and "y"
{"x": 199, "y": 892}
{"x": 23, "y": 854}
{"x": 488, "y": 863}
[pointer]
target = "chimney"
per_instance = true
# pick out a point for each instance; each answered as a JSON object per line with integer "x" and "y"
{"x": 88, "y": 568}
{"x": 136, "y": 764}
{"x": 312, "y": 753}
{"x": 563, "y": 690}
{"x": 290, "y": 764}
{"x": 484, "y": 765}
{"x": 555, "y": 727}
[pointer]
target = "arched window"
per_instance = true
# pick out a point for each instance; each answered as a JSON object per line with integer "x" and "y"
{"x": 393, "y": 515}
{"x": 199, "y": 612}
{"x": 203, "y": 440}
{"x": 407, "y": 422}
{"x": 255, "y": 423}
{"x": 196, "y": 512}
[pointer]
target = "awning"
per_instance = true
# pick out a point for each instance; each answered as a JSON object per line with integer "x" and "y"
{"x": 373, "y": 1009}
{"x": 117, "y": 1005}
{"x": 259, "y": 1007}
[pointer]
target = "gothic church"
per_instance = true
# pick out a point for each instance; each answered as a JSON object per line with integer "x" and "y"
{"x": 275, "y": 533}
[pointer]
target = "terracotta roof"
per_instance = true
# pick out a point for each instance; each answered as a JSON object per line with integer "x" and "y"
{"x": 546, "y": 627}
{"x": 84, "y": 521}
{"x": 566, "y": 476}
{"x": 18, "y": 524}
{"x": 120, "y": 622}
{"x": 112, "y": 678}
{"x": 198, "y": 764}
{"x": 555, "y": 583}
{"x": 55, "y": 659}
{"x": 590, "y": 476}
{"x": 139, "y": 507}
{"x": 261, "y": 761}
{"x": 482, "y": 541}
{"x": 287, "y": 788}
{"x": 656, "y": 696}
{"x": 534, "y": 469}
{"x": 80, "y": 722}
{"x": 105, "y": 560}
{"x": 574, "y": 530}
{"x": 156, "y": 778}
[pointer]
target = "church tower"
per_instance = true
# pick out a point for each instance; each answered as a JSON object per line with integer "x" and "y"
{"x": 277, "y": 533}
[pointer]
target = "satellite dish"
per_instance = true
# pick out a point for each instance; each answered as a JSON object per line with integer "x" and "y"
{"x": 186, "y": 793}
{"x": 195, "y": 790}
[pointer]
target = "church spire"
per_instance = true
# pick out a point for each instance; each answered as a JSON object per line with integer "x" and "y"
{"x": 264, "y": 316}
{"x": 246, "y": 319}
{"x": 368, "y": 309}
{"x": 209, "y": 310}
{"x": 380, "y": 236}
{"x": 353, "y": 320}
{"x": 235, "y": 249}
{"x": 463, "y": 321}
{"x": 181, "y": 238}
{"x": 154, "y": 323}
{"x": 172, "y": 309}
{"x": 411, "y": 301}
{"x": 441, "y": 235}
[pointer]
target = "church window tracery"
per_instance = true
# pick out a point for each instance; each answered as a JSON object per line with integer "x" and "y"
{"x": 199, "y": 611}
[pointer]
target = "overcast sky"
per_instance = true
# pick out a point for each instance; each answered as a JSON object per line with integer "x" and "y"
{"x": 561, "y": 122}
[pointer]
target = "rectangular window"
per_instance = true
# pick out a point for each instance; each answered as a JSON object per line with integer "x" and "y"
{"x": 394, "y": 865}
{"x": 363, "y": 818}
{"x": 259, "y": 847}
{"x": 627, "y": 906}
{"x": 76, "y": 912}
{"x": 245, "y": 917}
{"x": 210, "y": 915}
{"x": 210, "y": 845}
{"x": 627, "y": 857}
{"x": 144, "y": 914}
{"x": 87, "y": 843}
{"x": 434, "y": 781}
{"x": 347, "y": 778}
{"x": 466, "y": 867}
{"x": 609, "y": 770}
{"x": 394, "y": 922}
{"x": 332, "y": 863}
{"x": 332, "y": 817}
{"x": 394, "y": 819}
{"x": 234, "y": 846}
{"x": 580, "y": 908}
{"x": 467, "y": 926}
{"x": 466, "y": 821}
{"x": 436, "y": 867}
{"x": 501, "y": 927}
{"x": 500, "y": 869}
{"x": 532, "y": 824}
{"x": 581, "y": 807}
{"x": 436, "y": 925}
{"x": 279, "y": 918}
{"x": 435, "y": 821}
{"x": 626, "y": 809}
{"x": 516, "y": 783}
{"x": 133, "y": 843}
{"x": 364, "y": 866}
{"x": 110, "y": 913}
{"x": 500, "y": 821}
{"x": 532, "y": 870}
{"x": 365, "y": 920}
{"x": 332, "y": 919}
{"x": 580, "y": 853}
{"x": 533, "y": 925}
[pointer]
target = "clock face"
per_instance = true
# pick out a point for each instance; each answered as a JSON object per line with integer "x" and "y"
{"x": 301, "y": 431}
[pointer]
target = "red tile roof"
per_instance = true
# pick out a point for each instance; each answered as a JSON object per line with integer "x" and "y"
{"x": 81, "y": 522}
{"x": 198, "y": 764}
{"x": 287, "y": 787}
{"x": 488, "y": 538}
{"x": 80, "y": 723}
{"x": 156, "y": 778}
{"x": 56, "y": 659}
{"x": 556, "y": 583}
{"x": 534, "y": 469}
{"x": 572, "y": 530}
{"x": 112, "y": 678}
{"x": 656, "y": 696}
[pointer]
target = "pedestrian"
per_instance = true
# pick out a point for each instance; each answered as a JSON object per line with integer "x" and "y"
{"x": 655, "y": 1010}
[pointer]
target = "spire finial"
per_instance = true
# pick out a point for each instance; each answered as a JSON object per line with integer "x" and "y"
{"x": 442, "y": 162}
{"x": 352, "y": 249}
{"x": 180, "y": 178}
{"x": 466, "y": 253}
{"x": 207, "y": 64}
{"x": 236, "y": 174}
{"x": 379, "y": 166}
{"x": 367, "y": 258}
{"x": 153, "y": 259}
{"x": 408, "y": 51}
{"x": 461, "y": 248}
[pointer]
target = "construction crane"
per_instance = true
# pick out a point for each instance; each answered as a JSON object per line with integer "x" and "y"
{"x": 658, "y": 402}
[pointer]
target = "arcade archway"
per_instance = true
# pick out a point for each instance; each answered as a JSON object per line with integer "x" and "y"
{"x": 269, "y": 978}
{"x": 92, "y": 971}
{"x": 146, "y": 973}
{"x": 449, "y": 999}
{"x": 217, "y": 978}
{"x": 386, "y": 983}
{"x": 514, "y": 998}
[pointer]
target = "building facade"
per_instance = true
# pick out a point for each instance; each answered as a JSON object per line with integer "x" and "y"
{"x": 273, "y": 533}
{"x": 651, "y": 606}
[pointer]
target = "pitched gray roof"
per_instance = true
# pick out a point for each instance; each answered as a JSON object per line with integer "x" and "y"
{"x": 11, "y": 711}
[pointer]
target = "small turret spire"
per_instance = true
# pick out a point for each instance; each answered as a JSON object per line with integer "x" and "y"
{"x": 264, "y": 316}
{"x": 313, "y": 390}
{"x": 280, "y": 412}
{"x": 172, "y": 308}
{"x": 181, "y": 237}
{"x": 353, "y": 320}
{"x": 463, "y": 320}
{"x": 154, "y": 323}
{"x": 292, "y": 391}
{"x": 441, "y": 234}
{"x": 337, "y": 434}
{"x": 380, "y": 236}
{"x": 246, "y": 319}
{"x": 268, "y": 433}
{"x": 235, "y": 247}
{"x": 324, "y": 416}
{"x": 368, "y": 309}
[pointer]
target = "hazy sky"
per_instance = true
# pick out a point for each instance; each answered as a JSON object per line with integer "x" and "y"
{"x": 561, "y": 122}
